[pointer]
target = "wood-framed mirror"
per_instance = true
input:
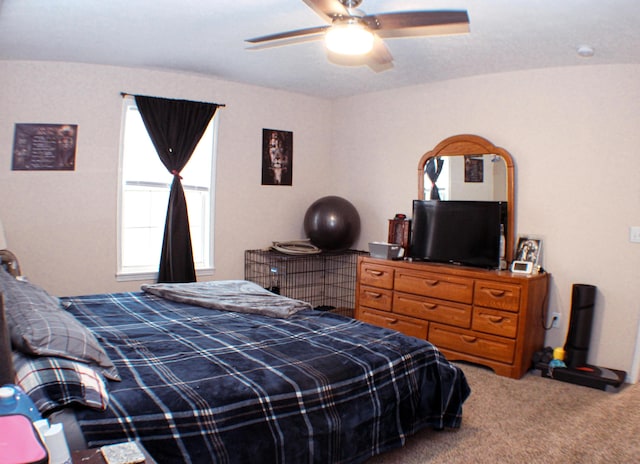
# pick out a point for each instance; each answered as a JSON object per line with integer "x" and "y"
{"x": 469, "y": 167}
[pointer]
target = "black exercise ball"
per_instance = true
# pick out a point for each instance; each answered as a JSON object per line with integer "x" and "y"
{"x": 332, "y": 223}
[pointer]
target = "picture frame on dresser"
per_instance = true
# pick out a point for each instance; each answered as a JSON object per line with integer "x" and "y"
{"x": 529, "y": 249}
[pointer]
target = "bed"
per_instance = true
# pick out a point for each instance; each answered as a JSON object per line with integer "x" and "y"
{"x": 230, "y": 384}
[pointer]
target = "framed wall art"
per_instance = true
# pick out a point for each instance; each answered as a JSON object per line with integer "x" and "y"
{"x": 473, "y": 168}
{"x": 277, "y": 157}
{"x": 44, "y": 147}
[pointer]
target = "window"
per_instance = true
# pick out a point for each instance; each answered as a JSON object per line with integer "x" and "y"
{"x": 144, "y": 195}
{"x": 443, "y": 182}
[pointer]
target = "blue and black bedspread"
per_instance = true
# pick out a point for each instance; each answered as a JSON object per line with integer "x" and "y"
{"x": 208, "y": 386}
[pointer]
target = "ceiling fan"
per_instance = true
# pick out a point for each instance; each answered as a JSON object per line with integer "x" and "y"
{"x": 351, "y": 33}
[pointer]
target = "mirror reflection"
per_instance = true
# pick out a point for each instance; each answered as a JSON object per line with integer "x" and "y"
{"x": 471, "y": 168}
{"x": 469, "y": 177}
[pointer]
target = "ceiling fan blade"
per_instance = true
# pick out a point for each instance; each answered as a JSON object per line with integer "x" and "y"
{"x": 417, "y": 23}
{"x": 379, "y": 58}
{"x": 281, "y": 43}
{"x": 288, "y": 35}
{"x": 327, "y": 9}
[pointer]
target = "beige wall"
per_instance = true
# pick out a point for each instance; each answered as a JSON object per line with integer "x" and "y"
{"x": 62, "y": 225}
{"x": 572, "y": 133}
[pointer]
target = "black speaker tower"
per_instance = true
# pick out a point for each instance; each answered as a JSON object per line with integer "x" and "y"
{"x": 576, "y": 347}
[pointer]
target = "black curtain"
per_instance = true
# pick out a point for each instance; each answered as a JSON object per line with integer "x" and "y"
{"x": 175, "y": 128}
{"x": 433, "y": 169}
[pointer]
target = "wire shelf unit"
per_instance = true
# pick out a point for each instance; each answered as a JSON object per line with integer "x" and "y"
{"x": 326, "y": 280}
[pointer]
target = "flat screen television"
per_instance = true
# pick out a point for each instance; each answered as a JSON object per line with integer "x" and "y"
{"x": 457, "y": 232}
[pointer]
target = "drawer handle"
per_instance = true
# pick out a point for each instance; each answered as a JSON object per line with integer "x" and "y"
{"x": 375, "y": 273}
{"x": 430, "y": 306}
{"x": 497, "y": 293}
{"x": 469, "y": 339}
{"x": 374, "y": 295}
{"x": 430, "y": 282}
{"x": 496, "y": 319}
{"x": 392, "y": 321}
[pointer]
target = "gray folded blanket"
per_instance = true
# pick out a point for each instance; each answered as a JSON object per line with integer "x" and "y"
{"x": 229, "y": 295}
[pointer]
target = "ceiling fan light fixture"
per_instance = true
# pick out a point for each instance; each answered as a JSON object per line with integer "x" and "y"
{"x": 350, "y": 37}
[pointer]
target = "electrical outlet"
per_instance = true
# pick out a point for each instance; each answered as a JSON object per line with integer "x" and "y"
{"x": 634, "y": 234}
{"x": 555, "y": 320}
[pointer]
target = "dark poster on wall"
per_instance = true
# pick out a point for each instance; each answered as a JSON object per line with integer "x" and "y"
{"x": 44, "y": 147}
{"x": 473, "y": 168}
{"x": 277, "y": 157}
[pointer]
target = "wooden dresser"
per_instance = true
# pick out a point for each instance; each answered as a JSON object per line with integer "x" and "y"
{"x": 493, "y": 318}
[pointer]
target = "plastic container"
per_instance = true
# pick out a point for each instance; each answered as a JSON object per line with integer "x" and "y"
{"x": 385, "y": 250}
{"x": 13, "y": 400}
{"x": 20, "y": 442}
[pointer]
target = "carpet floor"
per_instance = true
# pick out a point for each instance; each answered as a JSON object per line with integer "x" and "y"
{"x": 531, "y": 420}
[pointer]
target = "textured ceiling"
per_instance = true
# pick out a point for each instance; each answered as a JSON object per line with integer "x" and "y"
{"x": 207, "y": 36}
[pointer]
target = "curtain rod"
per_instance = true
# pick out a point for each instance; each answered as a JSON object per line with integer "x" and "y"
{"x": 220, "y": 105}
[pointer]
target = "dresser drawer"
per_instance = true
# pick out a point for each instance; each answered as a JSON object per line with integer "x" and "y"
{"x": 432, "y": 310}
{"x": 495, "y": 322}
{"x": 376, "y": 275}
{"x": 373, "y": 297}
{"x": 465, "y": 341}
{"x": 497, "y": 295}
{"x": 446, "y": 287}
{"x": 406, "y": 325}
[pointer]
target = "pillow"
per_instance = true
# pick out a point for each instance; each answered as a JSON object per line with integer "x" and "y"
{"x": 38, "y": 325}
{"x": 53, "y": 383}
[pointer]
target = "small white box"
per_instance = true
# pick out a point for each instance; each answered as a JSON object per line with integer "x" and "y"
{"x": 385, "y": 250}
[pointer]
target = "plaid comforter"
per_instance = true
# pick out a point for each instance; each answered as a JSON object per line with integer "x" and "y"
{"x": 208, "y": 386}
